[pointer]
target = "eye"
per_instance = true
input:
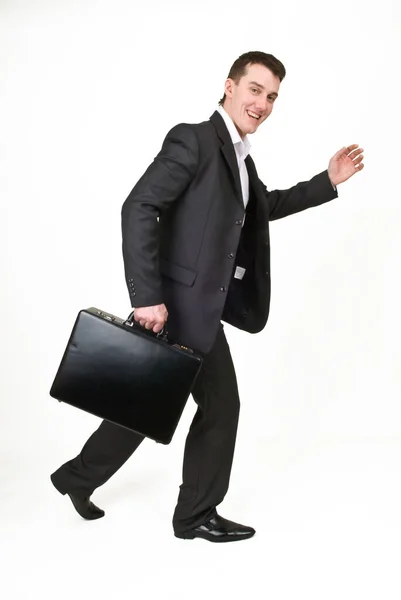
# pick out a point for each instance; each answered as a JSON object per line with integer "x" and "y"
{"x": 271, "y": 98}
{"x": 255, "y": 90}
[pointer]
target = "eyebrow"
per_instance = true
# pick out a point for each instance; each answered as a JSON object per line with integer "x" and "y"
{"x": 263, "y": 88}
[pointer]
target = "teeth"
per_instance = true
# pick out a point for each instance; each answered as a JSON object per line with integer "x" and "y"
{"x": 252, "y": 114}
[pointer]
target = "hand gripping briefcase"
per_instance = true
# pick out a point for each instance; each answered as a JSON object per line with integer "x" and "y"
{"x": 117, "y": 370}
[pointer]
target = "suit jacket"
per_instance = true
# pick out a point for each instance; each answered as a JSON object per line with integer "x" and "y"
{"x": 182, "y": 234}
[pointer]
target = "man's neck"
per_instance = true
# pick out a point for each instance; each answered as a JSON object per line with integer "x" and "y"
{"x": 228, "y": 116}
{"x": 227, "y": 110}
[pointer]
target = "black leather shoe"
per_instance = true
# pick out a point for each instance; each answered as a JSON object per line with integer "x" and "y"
{"x": 218, "y": 529}
{"x": 86, "y": 508}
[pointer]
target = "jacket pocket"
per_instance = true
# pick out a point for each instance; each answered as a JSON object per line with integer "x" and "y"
{"x": 177, "y": 273}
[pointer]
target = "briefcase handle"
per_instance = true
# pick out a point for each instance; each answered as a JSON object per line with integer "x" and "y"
{"x": 163, "y": 334}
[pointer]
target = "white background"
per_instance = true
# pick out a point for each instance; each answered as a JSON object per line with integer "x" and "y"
{"x": 88, "y": 92}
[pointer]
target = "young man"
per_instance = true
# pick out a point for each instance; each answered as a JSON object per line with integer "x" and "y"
{"x": 196, "y": 250}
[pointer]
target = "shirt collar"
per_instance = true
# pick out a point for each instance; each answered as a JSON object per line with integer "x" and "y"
{"x": 243, "y": 145}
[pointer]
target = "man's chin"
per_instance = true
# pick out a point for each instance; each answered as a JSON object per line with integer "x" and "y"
{"x": 252, "y": 130}
{"x": 249, "y": 129}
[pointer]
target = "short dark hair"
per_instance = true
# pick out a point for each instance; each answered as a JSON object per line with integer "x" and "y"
{"x": 239, "y": 67}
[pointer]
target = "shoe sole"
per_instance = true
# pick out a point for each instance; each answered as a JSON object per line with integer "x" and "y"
{"x": 212, "y": 538}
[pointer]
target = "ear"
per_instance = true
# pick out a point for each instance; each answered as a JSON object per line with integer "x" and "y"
{"x": 228, "y": 87}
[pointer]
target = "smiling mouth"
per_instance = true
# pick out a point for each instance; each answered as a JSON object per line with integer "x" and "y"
{"x": 253, "y": 115}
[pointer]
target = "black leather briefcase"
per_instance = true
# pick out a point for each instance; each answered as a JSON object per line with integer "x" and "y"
{"x": 119, "y": 371}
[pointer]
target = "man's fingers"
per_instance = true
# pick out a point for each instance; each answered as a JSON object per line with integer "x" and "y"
{"x": 155, "y": 324}
{"x": 355, "y": 153}
{"x": 347, "y": 150}
{"x": 151, "y": 317}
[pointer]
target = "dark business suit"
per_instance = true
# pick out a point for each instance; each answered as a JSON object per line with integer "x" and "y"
{"x": 183, "y": 236}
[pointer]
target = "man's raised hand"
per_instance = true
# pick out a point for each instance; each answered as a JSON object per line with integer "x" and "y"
{"x": 345, "y": 163}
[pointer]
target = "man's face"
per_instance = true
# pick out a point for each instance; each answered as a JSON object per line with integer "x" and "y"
{"x": 251, "y": 101}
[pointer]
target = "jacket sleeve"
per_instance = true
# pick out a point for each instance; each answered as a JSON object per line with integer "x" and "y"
{"x": 306, "y": 194}
{"x": 162, "y": 184}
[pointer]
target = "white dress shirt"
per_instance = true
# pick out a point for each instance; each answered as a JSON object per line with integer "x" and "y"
{"x": 242, "y": 149}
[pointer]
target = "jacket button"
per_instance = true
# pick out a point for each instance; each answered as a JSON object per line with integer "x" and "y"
{"x": 238, "y": 222}
{"x": 231, "y": 255}
{"x": 223, "y": 289}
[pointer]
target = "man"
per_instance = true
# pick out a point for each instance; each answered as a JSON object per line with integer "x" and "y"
{"x": 196, "y": 250}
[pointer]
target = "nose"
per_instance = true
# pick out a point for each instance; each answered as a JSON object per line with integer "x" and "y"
{"x": 262, "y": 104}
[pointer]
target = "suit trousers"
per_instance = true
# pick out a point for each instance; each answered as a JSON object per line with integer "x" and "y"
{"x": 209, "y": 447}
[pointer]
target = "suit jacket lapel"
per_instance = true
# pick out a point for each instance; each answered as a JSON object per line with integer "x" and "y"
{"x": 228, "y": 152}
{"x": 262, "y": 218}
{"x": 254, "y": 179}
